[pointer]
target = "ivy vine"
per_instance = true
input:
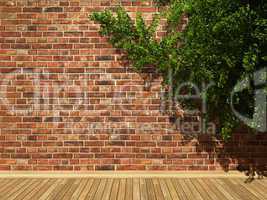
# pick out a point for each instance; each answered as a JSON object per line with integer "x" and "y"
{"x": 223, "y": 43}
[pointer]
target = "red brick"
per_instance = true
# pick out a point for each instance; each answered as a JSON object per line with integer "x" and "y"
{"x": 10, "y": 34}
{"x": 41, "y": 46}
{"x": 62, "y": 46}
{"x": 32, "y": 9}
{"x": 31, "y": 34}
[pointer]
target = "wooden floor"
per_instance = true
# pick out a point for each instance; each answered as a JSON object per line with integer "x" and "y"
{"x": 132, "y": 188}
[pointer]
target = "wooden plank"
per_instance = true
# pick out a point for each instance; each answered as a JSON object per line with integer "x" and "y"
{"x": 16, "y": 187}
{"x": 129, "y": 189}
{"x": 44, "y": 190}
{"x": 210, "y": 188}
{"x": 122, "y": 189}
{"x": 258, "y": 189}
{"x": 115, "y": 189}
{"x": 185, "y": 188}
{"x": 178, "y": 189}
{"x": 73, "y": 187}
{"x": 136, "y": 189}
{"x": 223, "y": 188}
{"x": 9, "y": 183}
{"x": 37, "y": 189}
{"x": 204, "y": 194}
{"x": 100, "y": 190}
{"x": 262, "y": 181}
{"x": 52, "y": 191}
{"x": 143, "y": 190}
{"x": 4, "y": 181}
{"x": 78, "y": 191}
{"x": 14, "y": 193}
{"x": 260, "y": 184}
{"x": 61, "y": 192}
{"x": 164, "y": 189}
{"x": 87, "y": 189}
{"x": 236, "y": 189}
{"x": 94, "y": 187}
{"x": 157, "y": 189}
{"x": 172, "y": 189}
{"x": 108, "y": 188}
{"x": 27, "y": 189}
{"x": 250, "y": 188}
{"x": 150, "y": 189}
{"x": 194, "y": 191}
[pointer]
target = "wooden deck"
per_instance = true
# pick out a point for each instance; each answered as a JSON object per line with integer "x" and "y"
{"x": 132, "y": 188}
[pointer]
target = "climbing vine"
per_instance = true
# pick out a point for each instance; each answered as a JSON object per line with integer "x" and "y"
{"x": 223, "y": 43}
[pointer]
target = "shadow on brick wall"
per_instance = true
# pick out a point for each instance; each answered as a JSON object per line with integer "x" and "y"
{"x": 244, "y": 152}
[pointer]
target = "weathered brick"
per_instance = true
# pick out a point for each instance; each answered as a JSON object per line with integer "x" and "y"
{"x": 104, "y": 58}
{"x": 53, "y": 119}
{"x": 53, "y": 9}
{"x": 62, "y": 46}
{"x": 73, "y": 34}
{"x": 73, "y": 143}
{"x": 105, "y": 167}
{"x": 32, "y": 9}
{"x": 62, "y": 155}
{"x": 41, "y": 46}
{"x": 10, "y": 34}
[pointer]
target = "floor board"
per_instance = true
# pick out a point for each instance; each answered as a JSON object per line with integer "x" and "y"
{"x": 132, "y": 188}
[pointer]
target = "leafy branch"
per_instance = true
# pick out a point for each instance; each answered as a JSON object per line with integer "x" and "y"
{"x": 224, "y": 42}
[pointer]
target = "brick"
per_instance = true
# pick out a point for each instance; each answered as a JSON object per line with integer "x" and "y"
{"x": 20, "y": 46}
{"x": 105, "y": 167}
{"x": 104, "y": 58}
{"x": 73, "y": 34}
{"x": 63, "y": 58}
{"x": 10, "y": 119}
{"x": 62, "y": 155}
{"x": 94, "y": 143}
{"x": 72, "y": 9}
{"x": 104, "y": 155}
{"x": 32, "y": 119}
{"x": 10, "y": 9}
{"x": 131, "y": 167}
{"x": 53, "y": 119}
{"x": 52, "y": 34}
{"x": 7, "y": 162}
{"x": 42, "y": 58}
{"x": 63, "y": 168}
{"x": 20, "y": 156}
{"x": 31, "y": 34}
{"x": 53, "y": 9}
{"x": 62, "y": 46}
{"x": 5, "y": 58}
{"x": 41, "y": 21}
{"x": 32, "y": 9}
{"x": 10, "y": 34}
{"x": 73, "y": 143}
{"x": 75, "y": 70}
{"x": 22, "y": 58}
{"x": 41, "y": 46}
{"x": 115, "y": 143}
{"x": 64, "y": 3}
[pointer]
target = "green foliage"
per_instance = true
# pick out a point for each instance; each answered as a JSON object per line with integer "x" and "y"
{"x": 224, "y": 42}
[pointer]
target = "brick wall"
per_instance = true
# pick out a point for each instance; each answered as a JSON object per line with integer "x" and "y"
{"x": 69, "y": 101}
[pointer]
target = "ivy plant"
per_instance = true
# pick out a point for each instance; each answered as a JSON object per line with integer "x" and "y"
{"x": 224, "y": 42}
